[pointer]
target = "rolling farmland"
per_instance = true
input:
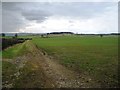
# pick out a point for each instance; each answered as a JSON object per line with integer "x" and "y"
{"x": 92, "y": 59}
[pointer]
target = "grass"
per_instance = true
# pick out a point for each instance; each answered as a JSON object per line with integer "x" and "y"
{"x": 8, "y": 70}
{"x": 16, "y": 50}
{"x": 95, "y": 56}
{"x": 91, "y": 55}
{"x": 11, "y": 70}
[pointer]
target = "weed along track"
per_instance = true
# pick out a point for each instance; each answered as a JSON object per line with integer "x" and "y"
{"x": 35, "y": 69}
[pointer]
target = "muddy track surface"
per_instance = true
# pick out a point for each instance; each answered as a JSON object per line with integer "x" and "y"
{"x": 46, "y": 72}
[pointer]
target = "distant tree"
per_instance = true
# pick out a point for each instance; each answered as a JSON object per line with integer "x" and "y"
{"x": 101, "y": 35}
{"x": 47, "y": 35}
{"x": 3, "y": 34}
{"x": 42, "y": 35}
{"x": 16, "y": 35}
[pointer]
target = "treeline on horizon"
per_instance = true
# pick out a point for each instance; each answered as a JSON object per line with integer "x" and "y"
{"x": 12, "y": 34}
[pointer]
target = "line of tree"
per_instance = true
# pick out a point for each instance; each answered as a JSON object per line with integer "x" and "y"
{"x": 61, "y": 33}
{"x": 15, "y": 36}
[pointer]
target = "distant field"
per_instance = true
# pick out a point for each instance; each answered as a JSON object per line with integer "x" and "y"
{"x": 91, "y": 55}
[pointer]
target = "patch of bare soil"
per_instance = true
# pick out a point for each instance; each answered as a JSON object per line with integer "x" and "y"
{"x": 45, "y": 72}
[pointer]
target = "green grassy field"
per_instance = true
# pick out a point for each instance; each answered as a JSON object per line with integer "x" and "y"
{"x": 92, "y": 55}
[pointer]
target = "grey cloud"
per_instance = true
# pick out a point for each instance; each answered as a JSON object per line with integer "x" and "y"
{"x": 37, "y": 15}
{"x": 81, "y": 9}
{"x": 12, "y": 19}
{"x": 16, "y": 15}
{"x": 119, "y": 17}
{"x": 11, "y": 6}
{"x": 0, "y": 17}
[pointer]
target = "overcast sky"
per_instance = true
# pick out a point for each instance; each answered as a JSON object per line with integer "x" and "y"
{"x": 77, "y": 17}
